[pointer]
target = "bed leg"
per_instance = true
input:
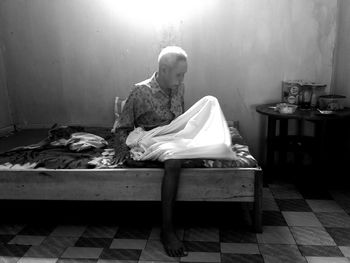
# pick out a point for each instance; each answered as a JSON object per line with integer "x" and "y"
{"x": 257, "y": 221}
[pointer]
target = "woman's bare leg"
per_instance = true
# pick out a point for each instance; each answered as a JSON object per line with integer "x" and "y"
{"x": 173, "y": 246}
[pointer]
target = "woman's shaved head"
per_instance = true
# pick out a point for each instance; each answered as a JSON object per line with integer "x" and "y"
{"x": 170, "y": 55}
{"x": 172, "y": 67}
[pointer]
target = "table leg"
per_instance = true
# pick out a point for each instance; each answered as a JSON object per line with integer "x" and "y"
{"x": 283, "y": 135}
{"x": 320, "y": 131}
{"x": 319, "y": 147}
{"x": 300, "y": 150}
{"x": 270, "y": 154}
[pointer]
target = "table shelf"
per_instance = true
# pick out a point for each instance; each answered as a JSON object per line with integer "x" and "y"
{"x": 292, "y": 142}
{"x": 298, "y": 144}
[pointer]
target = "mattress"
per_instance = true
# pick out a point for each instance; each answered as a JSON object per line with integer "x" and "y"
{"x": 53, "y": 152}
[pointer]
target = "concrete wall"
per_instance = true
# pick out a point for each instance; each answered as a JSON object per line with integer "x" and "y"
{"x": 5, "y": 116}
{"x": 66, "y": 60}
{"x": 342, "y": 78}
{"x": 342, "y": 65}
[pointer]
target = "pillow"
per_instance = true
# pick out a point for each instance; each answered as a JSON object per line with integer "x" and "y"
{"x": 118, "y": 108}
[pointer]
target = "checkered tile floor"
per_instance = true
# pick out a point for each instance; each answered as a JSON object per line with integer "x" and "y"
{"x": 299, "y": 226}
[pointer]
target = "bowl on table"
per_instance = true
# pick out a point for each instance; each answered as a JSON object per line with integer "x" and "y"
{"x": 285, "y": 108}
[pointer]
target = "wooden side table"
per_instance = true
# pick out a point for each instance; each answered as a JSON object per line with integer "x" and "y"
{"x": 298, "y": 144}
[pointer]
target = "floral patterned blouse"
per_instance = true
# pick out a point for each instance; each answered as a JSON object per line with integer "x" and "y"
{"x": 148, "y": 106}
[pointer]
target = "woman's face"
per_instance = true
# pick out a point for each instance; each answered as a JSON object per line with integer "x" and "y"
{"x": 174, "y": 76}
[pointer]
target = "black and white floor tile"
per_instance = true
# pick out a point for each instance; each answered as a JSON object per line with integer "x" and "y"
{"x": 299, "y": 226}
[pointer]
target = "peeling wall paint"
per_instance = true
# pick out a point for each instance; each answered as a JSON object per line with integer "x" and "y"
{"x": 5, "y": 114}
{"x": 67, "y": 60}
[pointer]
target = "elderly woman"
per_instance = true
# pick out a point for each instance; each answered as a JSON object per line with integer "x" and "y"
{"x": 152, "y": 103}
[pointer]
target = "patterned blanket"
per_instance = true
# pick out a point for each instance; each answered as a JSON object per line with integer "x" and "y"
{"x": 71, "y": 147}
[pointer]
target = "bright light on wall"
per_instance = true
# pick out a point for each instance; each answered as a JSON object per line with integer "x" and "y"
{"x": 156, "y": 12}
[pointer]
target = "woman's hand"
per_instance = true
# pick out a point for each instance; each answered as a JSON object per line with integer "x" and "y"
{"x": 121, "y": 154}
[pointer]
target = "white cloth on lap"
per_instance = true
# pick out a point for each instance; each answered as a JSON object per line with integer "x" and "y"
{"x": 200, "y": 132}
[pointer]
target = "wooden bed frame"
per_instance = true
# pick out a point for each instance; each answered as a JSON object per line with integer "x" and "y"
{"x": 136, "y": 184}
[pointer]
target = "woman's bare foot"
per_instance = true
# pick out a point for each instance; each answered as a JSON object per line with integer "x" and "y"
{"x": 172, "y": 245}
